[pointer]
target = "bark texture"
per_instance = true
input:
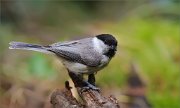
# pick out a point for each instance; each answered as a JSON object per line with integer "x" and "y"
{"x": 90, "y": 99}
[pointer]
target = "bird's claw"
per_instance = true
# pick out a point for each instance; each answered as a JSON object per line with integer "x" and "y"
{"x": 90, "y": 86}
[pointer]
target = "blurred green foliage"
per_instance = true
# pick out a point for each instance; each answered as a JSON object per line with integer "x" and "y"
{"x": 154, "y": 45}
{"x": 39, "y": 66}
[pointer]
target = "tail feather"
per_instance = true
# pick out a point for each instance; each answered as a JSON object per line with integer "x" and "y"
{"x": 26, "y": 46}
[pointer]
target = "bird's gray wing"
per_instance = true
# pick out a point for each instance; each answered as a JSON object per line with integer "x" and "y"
{"x": 68, "y": 55}
{"x": 77, "y": 51}
{"x": 66, "y": 43}
{"x": 91, "y": 58}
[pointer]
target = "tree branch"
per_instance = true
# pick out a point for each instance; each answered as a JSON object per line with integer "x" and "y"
{"x": 91, "y": 99}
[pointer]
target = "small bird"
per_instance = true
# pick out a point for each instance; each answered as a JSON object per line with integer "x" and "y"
{"x": 84, "y": 56}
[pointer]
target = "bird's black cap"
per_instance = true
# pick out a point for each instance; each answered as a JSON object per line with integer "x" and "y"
{"x": 108, "y": 39}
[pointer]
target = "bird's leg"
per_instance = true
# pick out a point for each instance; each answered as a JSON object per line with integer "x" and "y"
{"x": 77, "y": 79}
{"x": 91, "y": 79}
{"x": 79, "y": 82}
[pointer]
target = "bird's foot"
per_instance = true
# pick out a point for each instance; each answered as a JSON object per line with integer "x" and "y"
{"x": 90, "y": 86}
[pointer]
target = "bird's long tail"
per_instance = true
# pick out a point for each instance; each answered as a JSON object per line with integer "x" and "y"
{"x": 26, "y": 46}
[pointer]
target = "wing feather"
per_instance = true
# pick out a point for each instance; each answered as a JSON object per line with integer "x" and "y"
{"x": 77, "y": 51}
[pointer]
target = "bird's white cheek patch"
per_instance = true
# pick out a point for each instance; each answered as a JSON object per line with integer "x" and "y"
{"x": 98, "y": 45}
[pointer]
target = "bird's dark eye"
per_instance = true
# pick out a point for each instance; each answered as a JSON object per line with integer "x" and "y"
{"x": 113, "y": 47}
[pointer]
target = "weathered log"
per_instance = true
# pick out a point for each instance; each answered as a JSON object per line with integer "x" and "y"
{"x": 91, "y": 99}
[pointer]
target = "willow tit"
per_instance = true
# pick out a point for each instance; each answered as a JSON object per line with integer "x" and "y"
{"x": 84, "y": 56}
